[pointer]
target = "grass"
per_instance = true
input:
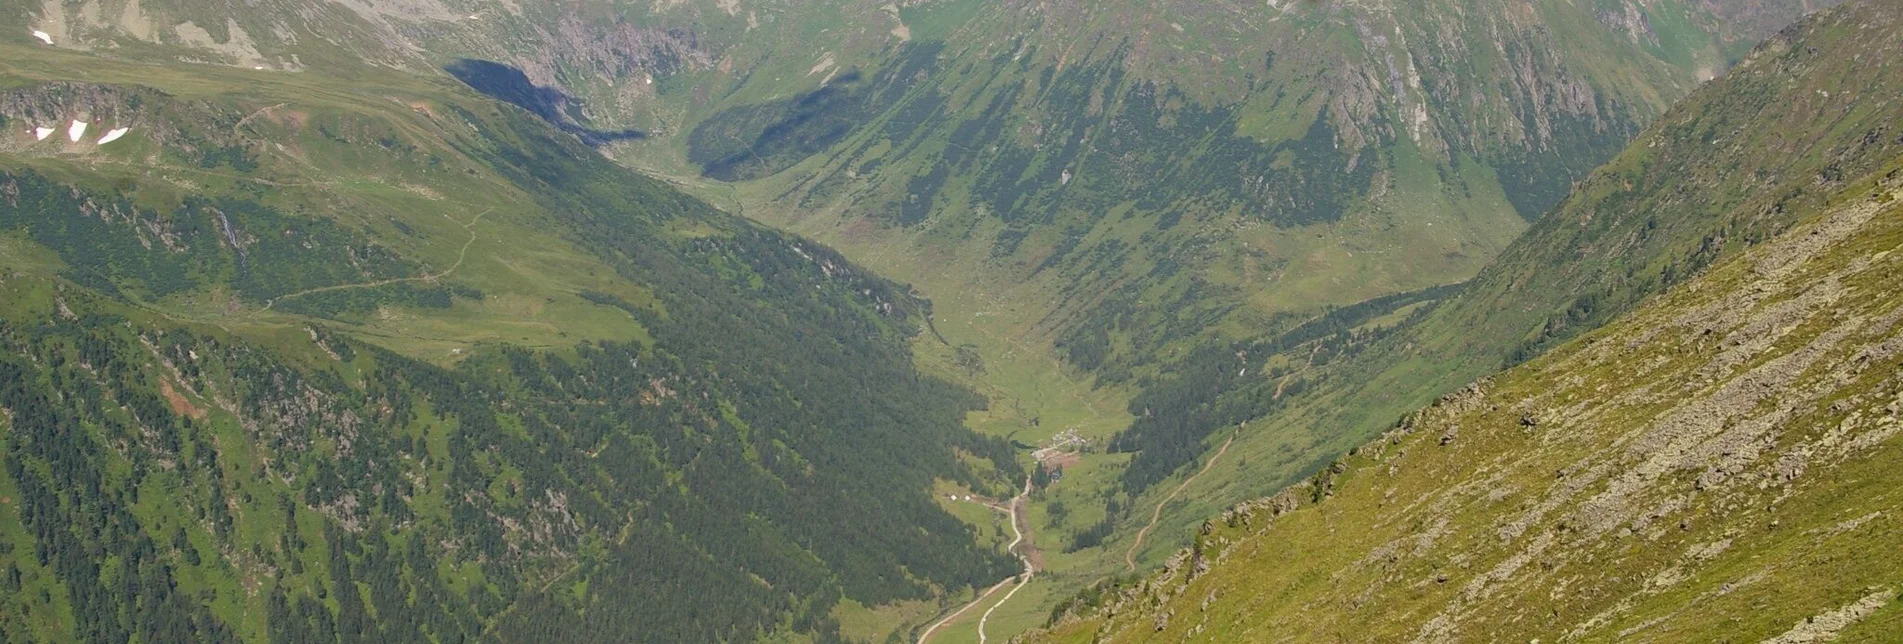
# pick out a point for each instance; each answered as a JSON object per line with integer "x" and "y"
{"x": 531, "y": 277}
{"x": 433, "y": 197}
{"x": 938, "y": 21}
{"x": 1010, "y": 618}
{"x": 20, "y": 256}
{"x": 860, "y": 623}
{"x": 1418, "y": 524}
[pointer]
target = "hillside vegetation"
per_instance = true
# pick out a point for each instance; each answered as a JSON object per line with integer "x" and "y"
{"x": 1126, "y": 182}
{"x": 1172, "y": 202}
{"x": 305, "y": 358}
{"x": 1717, "y": 464}
{"x": 1713, "y": 461}
{"x": 1734, "y": 164}
{"x": 1130, "y": 182}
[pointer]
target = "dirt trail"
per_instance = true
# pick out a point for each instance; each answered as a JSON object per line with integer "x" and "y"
{"x": 1012, "y": 511}
{"x": 1130, "y": 557}
{"x": 247, "y": 118}
{"x": 460, "y": 256}
{"x": 1016, "y": 514}
{"x": 1284, "y": 383}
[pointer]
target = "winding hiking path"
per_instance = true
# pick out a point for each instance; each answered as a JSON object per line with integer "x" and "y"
{"x": 1311, "y": 363}
{"x": 1130, "y": 557}
{"x": 247, "y": 118}
{"x": 1010, "y": 511}
{"x": 427, "y": 277}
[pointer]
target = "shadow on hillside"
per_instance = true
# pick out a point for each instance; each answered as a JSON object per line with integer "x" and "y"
{"x": 510, "y": 85}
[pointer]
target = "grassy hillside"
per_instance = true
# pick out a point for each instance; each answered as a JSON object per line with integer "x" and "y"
{"x": 1792, "y": 125}
{"x": 1700, "y": 409}
{"x": 355, "y": 357}
{"x": 1718, "y": 464}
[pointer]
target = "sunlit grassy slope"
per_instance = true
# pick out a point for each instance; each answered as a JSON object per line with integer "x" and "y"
{"x": 1717, "y": 464}
{"x": 1632, "y": 447}
{"x": 1801, "y": 117}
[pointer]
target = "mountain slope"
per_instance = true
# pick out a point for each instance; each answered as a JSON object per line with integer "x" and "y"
{"x": 1713, "y": 462}
{"x": 1797, "y": 120}
{"x": 355, "y": 357}
{"x": 1170, "y": 196}
{"x": 1131, "y": 178}
{"x": 1717, "y": 463}
{"x": 1155, "y": 175}
{"x": 1184, "y": 215}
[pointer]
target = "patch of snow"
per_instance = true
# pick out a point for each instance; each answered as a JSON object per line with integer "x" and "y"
{"x": 113, "y": 135}
{"x": 43, "y": 36}
{"x": 40, "y": 133}
{"x": 76, "y": 130}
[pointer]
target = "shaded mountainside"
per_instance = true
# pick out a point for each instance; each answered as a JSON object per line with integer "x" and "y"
{"x": 1734, "y": 164}
{"x": 302, "y": 358}
{"x": 1717, "y": 464}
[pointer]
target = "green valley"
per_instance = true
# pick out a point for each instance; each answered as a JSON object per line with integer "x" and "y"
{"x": 722, "y": 320}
